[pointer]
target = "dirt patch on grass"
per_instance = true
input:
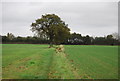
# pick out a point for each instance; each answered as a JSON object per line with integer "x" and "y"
{"x": 22, "y": 68}
{"x": 64, "y": 68}
{"x": 25, "y": 59}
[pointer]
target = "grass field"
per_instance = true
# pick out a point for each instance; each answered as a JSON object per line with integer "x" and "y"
{"x": 29, "y": 61}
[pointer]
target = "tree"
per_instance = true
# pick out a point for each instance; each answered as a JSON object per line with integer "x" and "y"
{"x": 61, "y": 34}
{"x": 10, "y": 36}
{"x": 116, "y": 36}
{"x": 100, "y": 41}
{"x": 87, "y": 40}
{"x": 109, "y": 37}
{"x": 51, "y": 27}
{"x": 75, "y": 38}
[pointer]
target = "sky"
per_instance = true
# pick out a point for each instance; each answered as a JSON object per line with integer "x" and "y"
{"x": 87, "y": 18}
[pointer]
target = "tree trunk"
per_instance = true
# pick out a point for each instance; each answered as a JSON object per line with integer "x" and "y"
{"x": 51, "y": 45}
{"x": 51, "y": 42}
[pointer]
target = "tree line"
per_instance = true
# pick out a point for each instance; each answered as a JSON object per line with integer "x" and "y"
{"x": 51, "y": 29}
{"x": 73, "y": 39}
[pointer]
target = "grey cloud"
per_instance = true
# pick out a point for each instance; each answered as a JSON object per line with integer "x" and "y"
{"x": 82, "y": 17}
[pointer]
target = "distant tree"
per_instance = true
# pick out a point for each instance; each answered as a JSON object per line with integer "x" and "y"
{"x": 5, "y": 39}
{"x": 51, "y": 27}
{"x": 116, "y": 36}
{"x": 20, "y": 39}
{"x": 109, "y": 37}
{"x": 0, "y": 39}
{"x": 10, "y": 36}
{"x": 75, "y": 38}
{"x": 87, "y": 39}
{"x": 100, "y": 41}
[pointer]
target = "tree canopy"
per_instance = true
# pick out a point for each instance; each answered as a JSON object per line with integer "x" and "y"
{"x": 51, "y": 26}
{"x": 74, "y": 39}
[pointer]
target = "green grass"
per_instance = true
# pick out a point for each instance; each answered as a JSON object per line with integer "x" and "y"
{"x": 95, "y": 61}
{"x": 29, "y": 61}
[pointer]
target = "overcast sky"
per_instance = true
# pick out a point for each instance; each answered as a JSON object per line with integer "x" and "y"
{"x": 86, "y": 18}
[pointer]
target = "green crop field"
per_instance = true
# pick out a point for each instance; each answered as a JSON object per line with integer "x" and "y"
{"x": 30, "y": 61}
